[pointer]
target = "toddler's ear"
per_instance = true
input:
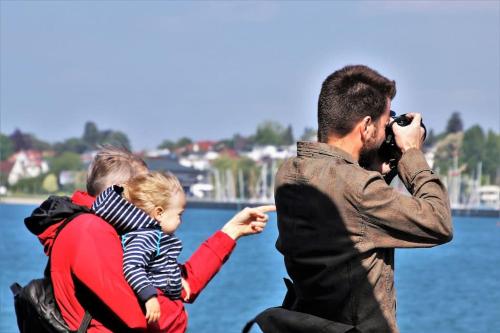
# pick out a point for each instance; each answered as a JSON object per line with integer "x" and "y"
{"x": 158, "y": 211}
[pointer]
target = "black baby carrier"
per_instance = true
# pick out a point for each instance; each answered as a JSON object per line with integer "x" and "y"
{"x": 36, "y": 307}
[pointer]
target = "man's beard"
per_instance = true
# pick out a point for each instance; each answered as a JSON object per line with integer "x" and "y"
{"x": 368, "y": 155}
{"x": 369, "y": 152}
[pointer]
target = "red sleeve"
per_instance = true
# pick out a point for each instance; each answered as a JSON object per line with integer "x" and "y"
{"x": 206, "y": 262}
{"x": 98, "y": 265}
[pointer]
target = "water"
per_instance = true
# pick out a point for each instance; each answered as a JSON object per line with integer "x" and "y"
{"x": 451, "y": 288}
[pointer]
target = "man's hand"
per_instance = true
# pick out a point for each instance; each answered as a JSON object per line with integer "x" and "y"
{"x": 153, "y": 311}
{"x": 378, "y": 165}
{"x": 411, "y": 136}
{"x": 249, "y": 221}
{"x": 387, "y": 170}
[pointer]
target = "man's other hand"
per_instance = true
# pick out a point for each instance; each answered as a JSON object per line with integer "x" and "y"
{"x": 411, "y": 136}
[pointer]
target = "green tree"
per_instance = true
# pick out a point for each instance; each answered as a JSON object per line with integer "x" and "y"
{"x": 455, "y": 123}
{"x": 288, "y": 138}
{"x": 224, "y": 162}
{"x": 49, "y": 183}
{"x": 251, "y": 173}
{"x": 91, "y": 134}
{"x": 239, "y": 142}
{"x": 248, "y": 167}
{"x": 29, "y": 185}
{"x": 446, "y": 149}
{"x": 430, "y": 140}
{"x": 74, "y": 145}
{"x": 65, "y": 161}
{"x": 167, "y": 144}
{"x": 38, "y": 144}
{"x": 472, "y": 149}
{"x": 20, "y": 140}
{"x": 269, "y": 133}
{"x": 491, "y": 158}
{"x": 115, "y": 138}
{"x": 6, "y": 147}
{"x": 309, "y": 134}
{"x": 182, "y": 142}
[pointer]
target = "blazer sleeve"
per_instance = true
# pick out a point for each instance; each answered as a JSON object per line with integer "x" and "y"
{"x": 393, "y": 219}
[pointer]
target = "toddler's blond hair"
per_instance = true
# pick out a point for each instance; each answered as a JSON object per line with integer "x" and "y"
{"x": 151, "y": 190}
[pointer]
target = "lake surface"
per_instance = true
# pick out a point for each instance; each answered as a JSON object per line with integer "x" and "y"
{"x": 451, "y": 288}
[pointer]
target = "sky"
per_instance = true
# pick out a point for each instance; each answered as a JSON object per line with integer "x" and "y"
{"x": 207, "y": 70}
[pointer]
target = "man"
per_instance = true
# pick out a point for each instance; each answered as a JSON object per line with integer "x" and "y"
{"x": 86, "y": 260}
{"x": 339, "y": 223}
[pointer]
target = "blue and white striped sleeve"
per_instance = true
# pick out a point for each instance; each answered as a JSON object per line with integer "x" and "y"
{"x": 138, "y": 249}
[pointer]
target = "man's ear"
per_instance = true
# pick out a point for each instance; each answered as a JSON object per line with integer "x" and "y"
{"x": 365, "y": 128}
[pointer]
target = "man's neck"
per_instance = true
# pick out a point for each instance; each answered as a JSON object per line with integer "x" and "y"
{"x": 347, "y": 143}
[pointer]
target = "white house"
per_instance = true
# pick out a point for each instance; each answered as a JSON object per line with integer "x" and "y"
{"x": 275, "y": 153}
{"x": 27, "y": 164}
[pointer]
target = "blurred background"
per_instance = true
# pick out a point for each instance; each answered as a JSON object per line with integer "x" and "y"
{"x": 219, "y": 92}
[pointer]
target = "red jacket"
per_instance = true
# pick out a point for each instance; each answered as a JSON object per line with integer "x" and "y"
{"x": 86, "y": 268}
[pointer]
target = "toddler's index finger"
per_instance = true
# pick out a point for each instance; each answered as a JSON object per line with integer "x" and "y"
{"x": 266, "y": 208}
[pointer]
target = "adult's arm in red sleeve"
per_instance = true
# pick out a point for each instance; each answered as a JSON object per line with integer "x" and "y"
{"x": 98, "y": 265}
{"x": 205, "y": 262}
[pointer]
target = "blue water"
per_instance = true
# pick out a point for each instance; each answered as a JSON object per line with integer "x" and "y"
{"x": 451, "y": 288}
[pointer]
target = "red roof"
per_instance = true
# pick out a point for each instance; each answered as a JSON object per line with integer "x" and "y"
{"x": 34, "y": 156}
{"x": 6, "y": 166}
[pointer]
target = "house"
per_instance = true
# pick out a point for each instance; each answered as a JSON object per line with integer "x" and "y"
{"x": 196, "y": 147}
{"x": 5, "y": 169}
{"x": 199, "y": 161}
{"x": 259, "y": 153}
{"x": 26, "y": 164}
{"x": 187, "y": 176}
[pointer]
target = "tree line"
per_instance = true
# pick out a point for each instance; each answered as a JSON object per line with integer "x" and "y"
{"x": 470, "y": 146}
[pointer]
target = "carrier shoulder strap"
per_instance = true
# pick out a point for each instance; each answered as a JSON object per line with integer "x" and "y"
{"x": 85, "y": 322}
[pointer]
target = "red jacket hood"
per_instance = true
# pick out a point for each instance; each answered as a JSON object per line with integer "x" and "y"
{"x": 48, "y": 235}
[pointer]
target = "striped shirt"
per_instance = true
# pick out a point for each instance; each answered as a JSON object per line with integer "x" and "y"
{"x": 149, "y": 255}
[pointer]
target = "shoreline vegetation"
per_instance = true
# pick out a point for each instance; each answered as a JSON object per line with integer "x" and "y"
{"x": 238, "y": 171}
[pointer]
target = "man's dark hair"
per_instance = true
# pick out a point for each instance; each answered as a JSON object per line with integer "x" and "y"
{"x": 348, "y": 95}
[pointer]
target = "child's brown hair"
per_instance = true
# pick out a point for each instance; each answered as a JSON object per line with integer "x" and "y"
{"x": 151, "y": 190}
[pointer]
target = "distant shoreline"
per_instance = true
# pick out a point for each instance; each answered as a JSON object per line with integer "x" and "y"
{"x": 22, "y": 200}
{"x": 192, "y": 203}
{"x": 235, "y": 205}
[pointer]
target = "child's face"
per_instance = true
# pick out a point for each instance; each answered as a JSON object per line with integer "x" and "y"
{"x": 170, "y": 218}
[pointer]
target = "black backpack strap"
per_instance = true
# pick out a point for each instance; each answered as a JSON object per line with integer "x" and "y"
{"x": 85, "y": 322}
{"x": 283, "y": 319}
{"x": 35, "y": 305}
{"x": 288, "y": 302}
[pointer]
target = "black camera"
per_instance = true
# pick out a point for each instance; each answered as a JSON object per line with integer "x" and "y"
{"x": 389, "y": 151}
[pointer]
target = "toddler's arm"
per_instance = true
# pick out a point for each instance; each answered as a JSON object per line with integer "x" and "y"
{"x": 136, "y": 255}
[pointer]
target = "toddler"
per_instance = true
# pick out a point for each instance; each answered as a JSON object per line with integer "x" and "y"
{"x": 146, "y": 211}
